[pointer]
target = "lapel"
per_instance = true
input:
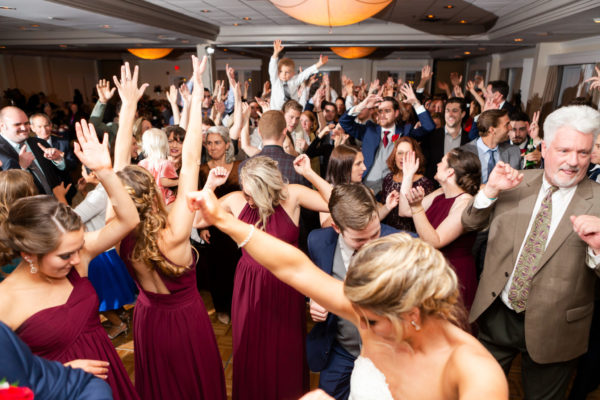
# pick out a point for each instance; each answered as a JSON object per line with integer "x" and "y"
{"x": 6, "y": 147}
{"x": 580, "y": 204}
{"x": 329, "y": 252}
{"x": 527, "y": 197}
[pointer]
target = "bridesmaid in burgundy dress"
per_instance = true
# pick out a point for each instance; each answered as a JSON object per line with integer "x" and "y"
{"x": 268, "y": 316}
{"x": 176, "y": 354}
{"x": 48, "y": 300}
{"x": 437, "y": 215}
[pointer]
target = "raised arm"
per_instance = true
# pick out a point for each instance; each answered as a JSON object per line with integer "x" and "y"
{"x": 95, "y": 156}
{"x": 130, "y": 95}
{"x": 172, "y": 98}
{"x": 245, "y": 133}
{"x": 285, "y": 261}
{"x": 302, "y": 167}
{"x": 186, "y": 96}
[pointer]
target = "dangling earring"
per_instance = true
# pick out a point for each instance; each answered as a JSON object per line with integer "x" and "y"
{"x": 32, "y": 268}
{"x": 414, "y": 324}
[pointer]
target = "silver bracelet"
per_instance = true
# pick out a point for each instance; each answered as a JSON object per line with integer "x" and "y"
{"x": 245, "y": 242}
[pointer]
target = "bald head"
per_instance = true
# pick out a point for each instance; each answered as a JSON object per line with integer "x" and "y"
{"x": 14, "y": 124}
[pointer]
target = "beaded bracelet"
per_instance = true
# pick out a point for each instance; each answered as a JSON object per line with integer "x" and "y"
{"x": 245, "y": 242}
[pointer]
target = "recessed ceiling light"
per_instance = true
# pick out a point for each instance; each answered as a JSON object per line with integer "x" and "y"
{"x": 2, "y": 47}
{"x": 205, "y": 11}
{"x": 467, "y": 53}
{"x": 430, "y": 16}
{"x": 246, "y": 18}
{"x": 597, "y": 20}
{"x": 463, "y": 21}
{"x": 224, "y": 49}
{"x": 481, "y": 48}
{"x": 7, "y": 8}
{"x": 62, "y": 45}
{"x": 185, "y": 41}
{"x": 105, "y": 26}
{"x": 518, "y": 39}
{"x": 449, "y": 6}
{"x": 35, "y": 26}
{"x": 236, "y": 24}
{"x": 22, "y": 28}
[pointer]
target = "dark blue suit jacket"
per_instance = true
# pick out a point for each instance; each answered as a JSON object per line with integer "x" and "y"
{"x": 47, "y": 379}
{"x": 63, "y": 145}
{"x": 370, "y": 134}
{"x": 321, "y": 250}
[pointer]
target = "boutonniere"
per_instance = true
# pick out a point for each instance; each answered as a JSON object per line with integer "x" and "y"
{"x": 395, "y": 137}
{"x": 14, "y": 392}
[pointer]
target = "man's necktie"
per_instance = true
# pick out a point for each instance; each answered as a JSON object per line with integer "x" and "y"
{"x": 286, "y": 92}
{"x": 491, "y": 161}
{"x": 529, "y": 260}
{"x": 37, "y": 172}
{"x": 594, "y": 174}
{"x": 385, "y": 138}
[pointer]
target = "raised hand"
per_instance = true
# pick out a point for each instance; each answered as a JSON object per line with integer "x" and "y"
{"x": 479, "y": 82}
{"x": 455, "y": 79}
{"x": 392, "y": 200}
{"x": 199, "y": 67}
{"x": 302, "y": 165}
{"x": 105, "y": 93}
{"x": 595, "y": 80}
{"x": 491, "y": 104}
{"x": 266, "y": 89}
{"x": 443, "y": 86}
{"x": 277, "y": 48}
{"x": 534, "y": 128}
{"x": 457, "y": 92}
{"x": 230, "y": 74}
{"x": 408, "y": 92}
{"x": 374, "y": 86}
{"x": 415, "y": 197}
{"x": 207, "y": 204}
{"x": 186, "y": 96}
{"x": 426, "y": 73}
{"x": 51, "y": 153}
{"x": 89, "y": 150}
{"x": 216, "y": 177}
{"x": 128, "y": 85}
{"x": 410, "y": 163}
{"x": 370, "y": 101}
{"x": 503, "y": 177}
{"x": 322, "y": 60}
{"x": 171, "y": 94}
{"x": 95, "y": 367}
{"x": 263, "y": 104}
{"x": 588, "y": 229}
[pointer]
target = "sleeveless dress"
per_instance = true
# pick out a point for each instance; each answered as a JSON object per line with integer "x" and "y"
{"x": 72, "y": 331}
{"x": 367, "y": 382}
{"x": 269, "y": 324}
{"x": 458, "y": 253}
{"x": 114, "y": 286}
{"x": 176, "y": 354}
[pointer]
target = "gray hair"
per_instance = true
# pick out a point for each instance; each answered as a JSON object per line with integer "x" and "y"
{"x": 581, "y": 118}
{"x": 224, "y": 133}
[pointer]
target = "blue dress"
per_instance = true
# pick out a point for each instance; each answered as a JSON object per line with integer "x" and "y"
{"x": 109, "y": 276}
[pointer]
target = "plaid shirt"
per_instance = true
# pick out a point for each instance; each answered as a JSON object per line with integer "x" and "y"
{"x": 284, "y": 161}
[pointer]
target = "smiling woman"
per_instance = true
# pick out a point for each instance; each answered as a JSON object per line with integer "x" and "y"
{"x": 47, "y": 300}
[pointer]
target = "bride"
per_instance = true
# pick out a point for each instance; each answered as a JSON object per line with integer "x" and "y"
{"x": 403, "y": 297}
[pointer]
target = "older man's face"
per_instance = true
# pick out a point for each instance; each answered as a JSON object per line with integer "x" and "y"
{"x": 567, "y": 157}
{"x": 42, "y": 127}
{"x": 14, "y": 125}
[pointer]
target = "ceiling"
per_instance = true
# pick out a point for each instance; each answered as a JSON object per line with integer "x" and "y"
{"x": 104, "y": 28}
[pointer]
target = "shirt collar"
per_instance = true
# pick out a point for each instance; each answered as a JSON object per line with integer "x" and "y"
{"x": 15, "y": 145}
{"x": 483, "y": 147}
{"x": 448, "y": 133}
{"x": 391, "y": 130}
{"x": 563, "y": 191}
{"x": 346, "y": 251}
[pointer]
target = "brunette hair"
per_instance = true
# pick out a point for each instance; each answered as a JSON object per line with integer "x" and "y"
{"x": 14, "y": 184}
{"x": 391, "y": 161}
{"x": 271, "y": 125}
{"x": 467, "y": 169}
{"x": 352, "y": 205}
{"x": 488, "y": 119}
{"x": 339, "y": 169}
{"x": 35, "y": 225}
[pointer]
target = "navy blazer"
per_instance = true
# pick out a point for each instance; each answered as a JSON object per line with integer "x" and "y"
{"x": 63, "y": 145}
{"x": 47, "y": 379}
{"x": 10, "y": 160}
{"x": 370, "y": 134}
{"x": 321, "y": 250}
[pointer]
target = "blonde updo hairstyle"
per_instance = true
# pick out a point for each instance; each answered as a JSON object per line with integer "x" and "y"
{"x": 142, "y": 189}
{"x": 392, "y": 275}
{"x": 262, "y": 180}
{"x": 35, "y": 225}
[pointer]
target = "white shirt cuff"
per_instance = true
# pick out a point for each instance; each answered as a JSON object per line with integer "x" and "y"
{"x": 482, "y": 201}
{"x": 419, "y": 109}
{"x": 352, "y": 112}
{"x": 420, "y": 90}
{"x": 592, "y": 260}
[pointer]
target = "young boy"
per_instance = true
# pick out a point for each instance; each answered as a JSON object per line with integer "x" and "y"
{"x": 284, "y": 85}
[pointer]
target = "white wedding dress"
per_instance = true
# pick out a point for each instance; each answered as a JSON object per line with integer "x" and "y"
{"x": 367, "y": 382}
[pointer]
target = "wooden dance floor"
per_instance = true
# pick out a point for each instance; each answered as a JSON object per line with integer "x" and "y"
{"x": 124, "y": 345}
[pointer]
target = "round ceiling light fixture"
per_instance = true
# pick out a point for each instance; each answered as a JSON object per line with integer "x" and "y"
{"x": 331, "y": 12}
{"x": 150, "y": 54}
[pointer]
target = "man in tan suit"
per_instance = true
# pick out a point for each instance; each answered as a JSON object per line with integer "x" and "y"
{"x": 536, "y": 292}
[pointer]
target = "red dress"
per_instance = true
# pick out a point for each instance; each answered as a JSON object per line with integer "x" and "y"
{"x": 269, "y": 324}
{"x": 72, "y": 331}
{"x": 176, "y": 354}
{"x": 458, "y": 252}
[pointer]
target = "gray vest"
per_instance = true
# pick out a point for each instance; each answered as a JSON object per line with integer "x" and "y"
{"x": 347, "y": 334}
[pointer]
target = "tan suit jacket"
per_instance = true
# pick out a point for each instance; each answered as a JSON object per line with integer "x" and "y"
{"x": 561, "y": 299}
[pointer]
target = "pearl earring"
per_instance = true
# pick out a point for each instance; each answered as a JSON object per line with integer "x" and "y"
{"x": 414, "y": 324}
{"x": 32, "y": 268}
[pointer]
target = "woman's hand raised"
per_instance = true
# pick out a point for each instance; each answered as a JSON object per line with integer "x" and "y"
{"x": 89, "y": 150}
{"x": 128, "y": 85}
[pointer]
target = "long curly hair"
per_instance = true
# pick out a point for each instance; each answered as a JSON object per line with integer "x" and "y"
{"x": 142, "y": 189}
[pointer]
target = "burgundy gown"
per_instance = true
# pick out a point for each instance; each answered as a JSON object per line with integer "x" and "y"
{"x": 269, "y": 324}
{"x": 176, "y": 354}
{"x": 72, "y": 331}
{"x": 458, "y": 252}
